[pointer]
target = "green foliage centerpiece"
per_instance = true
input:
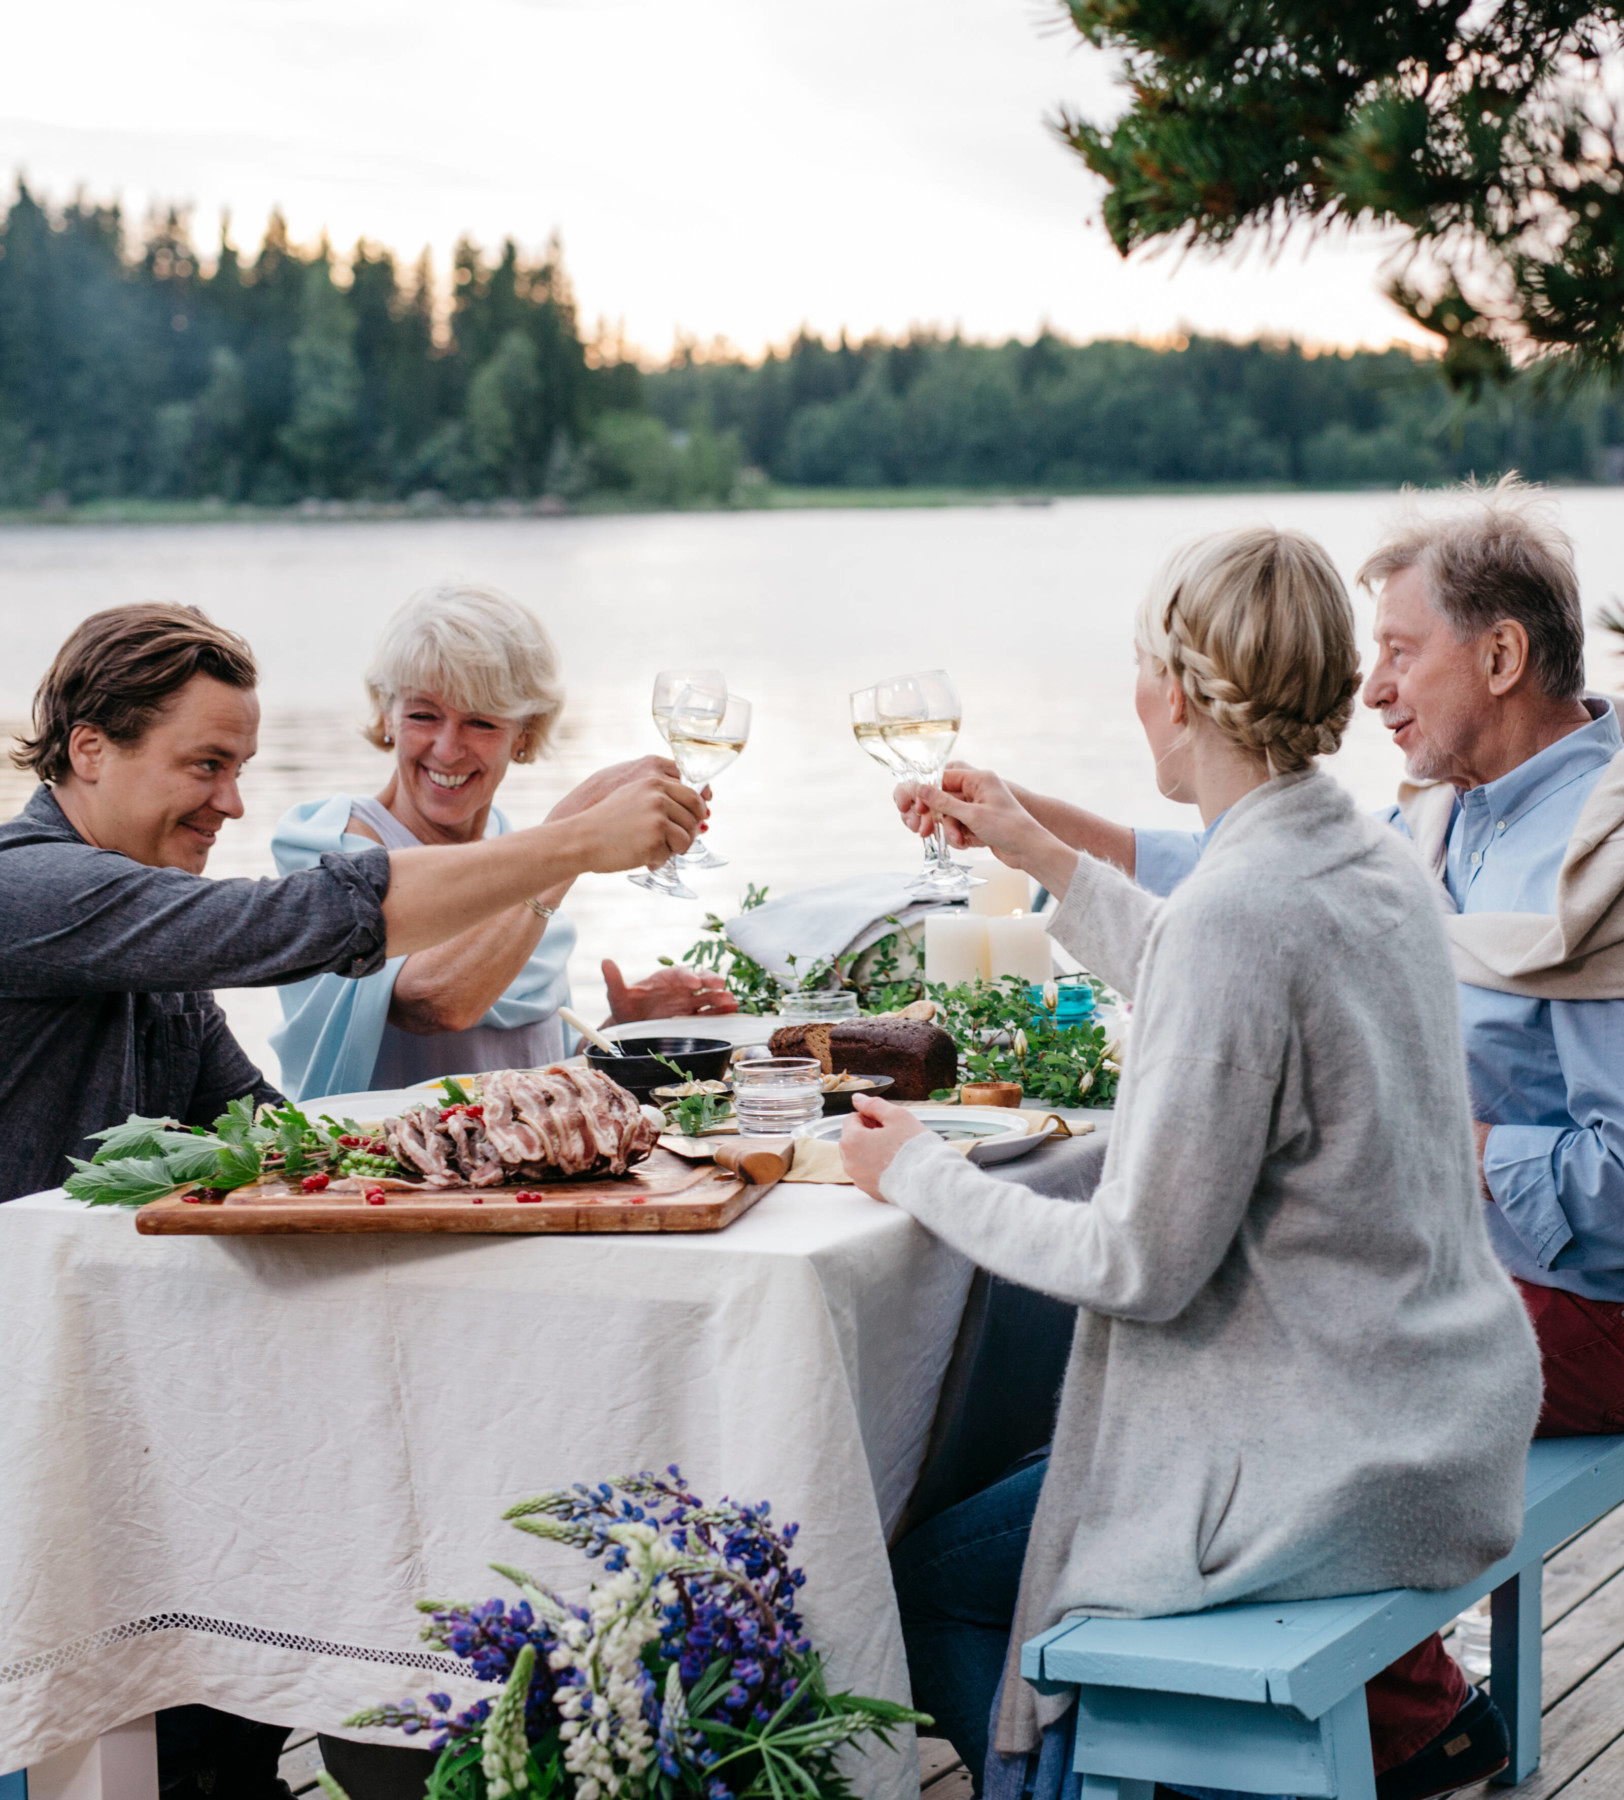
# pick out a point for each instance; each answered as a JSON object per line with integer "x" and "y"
{"x": 686, "y": 1672}
{"x": 1004, "y": 1030}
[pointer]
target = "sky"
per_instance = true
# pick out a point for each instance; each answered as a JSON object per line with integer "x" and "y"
{"x": 723, "y": 168}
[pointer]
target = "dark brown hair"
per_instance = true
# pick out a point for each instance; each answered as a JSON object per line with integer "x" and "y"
{"x": 1504, "y": 557}
{"x": 119, "y": 670}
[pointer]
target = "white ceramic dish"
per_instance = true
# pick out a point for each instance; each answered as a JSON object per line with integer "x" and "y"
{"x": 999, "y": 1133}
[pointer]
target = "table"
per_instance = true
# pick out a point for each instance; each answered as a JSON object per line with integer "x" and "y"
{"x": 229, "y": 1466}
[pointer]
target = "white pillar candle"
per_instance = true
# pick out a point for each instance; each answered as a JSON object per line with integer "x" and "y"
{"x": 1019, "y": 946}
{"x": 1006, "y": 890}
{"x": 955, "y": 947}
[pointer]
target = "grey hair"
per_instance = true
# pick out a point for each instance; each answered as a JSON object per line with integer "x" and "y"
{"x": 475, "y": 648}
{"x": 1502, "y": 557}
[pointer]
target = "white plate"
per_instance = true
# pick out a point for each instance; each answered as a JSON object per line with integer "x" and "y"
{"x": 1000, "y": 1133}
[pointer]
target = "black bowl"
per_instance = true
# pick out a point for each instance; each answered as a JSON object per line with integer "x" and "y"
{"x": 639, "y": 1071}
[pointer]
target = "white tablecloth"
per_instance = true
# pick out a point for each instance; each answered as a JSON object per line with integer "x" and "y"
{"x": 229, "y": 1466}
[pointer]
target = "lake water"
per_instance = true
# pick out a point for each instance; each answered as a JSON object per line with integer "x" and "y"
{"x": 1029, "y": 609}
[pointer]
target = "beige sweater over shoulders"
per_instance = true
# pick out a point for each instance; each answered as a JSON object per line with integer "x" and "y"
{"x": 1298, "y": 1369}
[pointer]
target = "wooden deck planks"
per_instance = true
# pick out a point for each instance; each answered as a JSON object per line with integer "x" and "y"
{"x": 1575, "y": 1570}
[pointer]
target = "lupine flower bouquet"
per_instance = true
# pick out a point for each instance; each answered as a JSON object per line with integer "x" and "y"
{"x": 685, "y": 1673}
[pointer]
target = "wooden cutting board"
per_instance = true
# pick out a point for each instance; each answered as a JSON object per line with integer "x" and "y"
{"x": 665, "y": 1193}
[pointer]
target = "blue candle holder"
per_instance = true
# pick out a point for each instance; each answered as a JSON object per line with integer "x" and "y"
{"x": 1075, "y": 1006}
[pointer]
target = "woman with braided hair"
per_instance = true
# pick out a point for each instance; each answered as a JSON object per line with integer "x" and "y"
{"x": 1298, "y": 1369}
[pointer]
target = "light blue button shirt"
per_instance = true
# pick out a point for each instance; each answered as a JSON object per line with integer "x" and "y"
{"x": 1548, "y": 1075}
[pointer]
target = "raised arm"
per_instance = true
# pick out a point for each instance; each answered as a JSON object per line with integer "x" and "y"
{"x": 1074, "y": 827}
{"x": 1103, "y": 919}
{"x": 453, "y": 985}
{"x": 439, "y": 890}
{"x": 1195, "y": 1127}
{"x": 78, "y": 920}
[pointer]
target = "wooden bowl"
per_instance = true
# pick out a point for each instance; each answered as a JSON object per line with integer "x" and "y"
{"x": 990, "y": 1093}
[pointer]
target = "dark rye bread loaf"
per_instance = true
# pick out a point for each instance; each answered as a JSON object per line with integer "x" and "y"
{"x": 917, "y": 1056}
{"x": 803, "y": 1040}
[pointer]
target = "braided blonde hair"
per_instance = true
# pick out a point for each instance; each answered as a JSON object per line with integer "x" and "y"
{"x": 1256, "y": 627}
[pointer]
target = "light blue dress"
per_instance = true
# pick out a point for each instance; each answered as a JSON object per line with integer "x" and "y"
{"x": 336, "y": 1038}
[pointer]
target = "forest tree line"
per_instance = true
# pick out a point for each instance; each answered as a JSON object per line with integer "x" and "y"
{"x": 131, "y": 366}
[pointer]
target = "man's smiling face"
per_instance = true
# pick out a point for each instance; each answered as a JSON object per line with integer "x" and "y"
{"x": 162, "y": 801}
{"x": 1430, "y": 687}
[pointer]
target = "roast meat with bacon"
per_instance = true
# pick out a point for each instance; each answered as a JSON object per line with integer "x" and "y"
{"x": 527, "y": 1125}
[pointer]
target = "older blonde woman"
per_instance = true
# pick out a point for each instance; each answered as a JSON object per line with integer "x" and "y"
{"x": 463, "y": 683}
{"x": 1298, "y": 1369}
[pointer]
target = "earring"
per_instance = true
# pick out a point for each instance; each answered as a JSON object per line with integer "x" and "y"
{"x": 388, "y": 743}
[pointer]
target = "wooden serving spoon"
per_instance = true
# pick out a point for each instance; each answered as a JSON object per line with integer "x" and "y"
{"x": 590, "y": 1032}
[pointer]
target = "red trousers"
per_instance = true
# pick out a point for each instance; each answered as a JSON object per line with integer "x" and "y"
{"x": 1581, "y": 1352}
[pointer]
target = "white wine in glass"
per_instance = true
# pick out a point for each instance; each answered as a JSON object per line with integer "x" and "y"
{"x": 919, "y": 717}
{"x": 707, "y": 732}
{"x": 870, "y": 735}
{"x": 668, "y": 684}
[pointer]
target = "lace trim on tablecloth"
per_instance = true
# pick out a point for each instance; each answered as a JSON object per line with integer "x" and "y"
{"x": 81, "y": 1649}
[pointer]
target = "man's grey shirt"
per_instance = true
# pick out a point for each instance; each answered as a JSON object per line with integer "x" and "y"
{"x": 106, "y": 968}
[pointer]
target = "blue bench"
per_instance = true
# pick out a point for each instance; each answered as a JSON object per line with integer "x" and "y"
{"x": 1271, "y": 1699}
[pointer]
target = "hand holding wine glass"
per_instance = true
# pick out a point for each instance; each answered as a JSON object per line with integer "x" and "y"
{"x": 865, "y": 725}
{"x": 668, "y": 684}
{"x": 918, "y": 718}
{"x": 988, "y": 812}
{"x": 707, "y": 730}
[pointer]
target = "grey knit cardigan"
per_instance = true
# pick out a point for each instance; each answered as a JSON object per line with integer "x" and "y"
{"x": 1298, "y": 1369}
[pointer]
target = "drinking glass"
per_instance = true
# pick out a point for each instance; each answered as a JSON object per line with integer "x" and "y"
{"x": 865, "y": 725}
{"x": 668, "y": 684}
{"x": 918, "y": 718}
{"x": 777, "y": 1095}
{"x": 706, "y": 730}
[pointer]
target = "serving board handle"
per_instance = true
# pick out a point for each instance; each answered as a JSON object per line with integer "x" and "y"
{"x": 760, "y": 1161}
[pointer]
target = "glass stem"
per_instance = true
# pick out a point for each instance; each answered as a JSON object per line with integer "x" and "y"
{"x": 943, "y": 858}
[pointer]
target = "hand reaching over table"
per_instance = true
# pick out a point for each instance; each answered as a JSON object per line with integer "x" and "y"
{"x": 666, "y": 994}
{"x": 875, "y": 1132}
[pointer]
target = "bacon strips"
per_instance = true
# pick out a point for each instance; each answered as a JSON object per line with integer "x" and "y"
{"x": 528, "y": 1126}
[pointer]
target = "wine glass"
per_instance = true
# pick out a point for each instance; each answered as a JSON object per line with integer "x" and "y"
{"x": 918, "y": 717}
{"x": 706, "y": 731}
{"x": 865, "y": 725}
{"x": 668, "y": 684}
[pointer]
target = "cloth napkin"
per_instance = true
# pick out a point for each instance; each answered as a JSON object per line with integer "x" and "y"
{"x": 825, "y": 922}
{"x": 818, "y": 1159}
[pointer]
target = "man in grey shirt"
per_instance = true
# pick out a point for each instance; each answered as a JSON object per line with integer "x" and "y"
{"x": 110, "y": 940}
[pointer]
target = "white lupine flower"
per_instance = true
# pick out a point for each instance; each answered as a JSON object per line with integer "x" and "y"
{"x": 607, "y": 1740}
{"x": 506, "y": 1751}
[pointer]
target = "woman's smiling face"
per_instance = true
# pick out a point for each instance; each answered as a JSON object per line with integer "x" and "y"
{"x": 450, "y": 763}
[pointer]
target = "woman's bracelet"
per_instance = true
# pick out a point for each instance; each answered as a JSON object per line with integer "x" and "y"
{"x": 541, "y": 912}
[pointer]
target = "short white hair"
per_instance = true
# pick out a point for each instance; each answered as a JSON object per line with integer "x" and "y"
{"x": 475, "y": 648}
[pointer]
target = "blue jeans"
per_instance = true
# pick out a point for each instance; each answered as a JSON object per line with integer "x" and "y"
{"x": 957, "y": 1578}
